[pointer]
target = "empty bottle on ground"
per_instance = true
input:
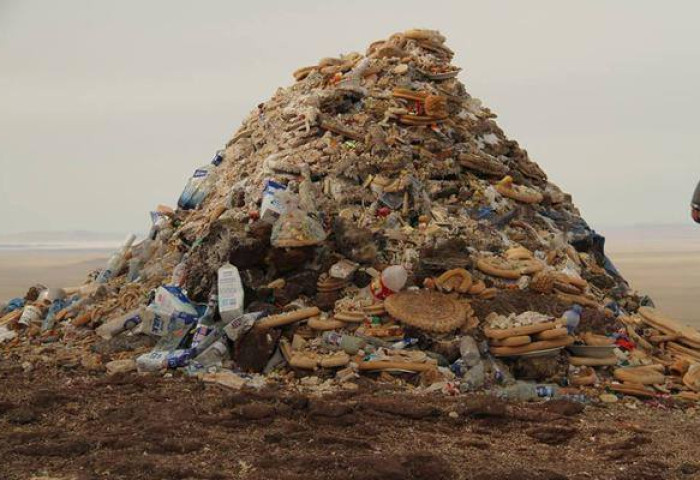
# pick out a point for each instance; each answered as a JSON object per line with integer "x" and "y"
{"x": 116, "y": 261}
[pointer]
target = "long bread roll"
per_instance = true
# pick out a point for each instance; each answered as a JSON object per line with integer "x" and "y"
{"x": 533, "y": 347}
{"x": 287, "y": 318}
{"x": 551, "y": 334}
{"x": 640, "y": 375}
{"x": 593, "y": 362}
{"x": 517, "y": 331}
{"x": 391, "y": 365}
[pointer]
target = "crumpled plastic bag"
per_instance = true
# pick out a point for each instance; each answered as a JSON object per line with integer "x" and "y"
{"x": 295, "y": 227}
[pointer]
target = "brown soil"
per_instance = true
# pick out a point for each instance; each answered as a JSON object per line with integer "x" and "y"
{"x": 69, "y": 424}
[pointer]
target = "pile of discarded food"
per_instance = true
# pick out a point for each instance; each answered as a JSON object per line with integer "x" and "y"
{"x": 371, "y": 221}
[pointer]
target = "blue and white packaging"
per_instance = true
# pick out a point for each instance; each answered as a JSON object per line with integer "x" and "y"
{"x": 178, "y": 358}
{"x": 175, "y": 330}
{"x": 218, "y": 158}
{"x": 170, "y": 299}
{"x": 271, "y": 207}
{"x": 197, "y": 187}
{"x": 170, "y": 312}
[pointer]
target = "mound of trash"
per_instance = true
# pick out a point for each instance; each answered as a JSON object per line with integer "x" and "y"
{"x": 369, "y": 222}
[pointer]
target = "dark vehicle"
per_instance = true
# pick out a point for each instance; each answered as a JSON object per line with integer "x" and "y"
{"x": 695, "y": 205}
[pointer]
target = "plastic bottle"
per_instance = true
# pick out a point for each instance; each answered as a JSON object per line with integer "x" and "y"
{"x": 157, "y": 360}
{"x": 116, "y": 261}
{"x": 405, "y": 342}
{"x": 135, "y": 265}
{"x": 348, "y": 343}
{"x": 205, "y": 323}
{"x": 473, "y": 378}
{"x": 179, "y": 274}
{"x": 499, "y": 373}
{"x": 526, "y": 391}
{"x": 50, "y": 318}
{"x": 214, "y": 355}
{"x": 392, "y": 280}
{"x": 158, "y": 222}
{"x": 152, "y": 361}
{"x": 469, "y": 351}
{"x": 231, "y": 294}
{"x": 129, "y": 320}
{"x": 200, "y": 184}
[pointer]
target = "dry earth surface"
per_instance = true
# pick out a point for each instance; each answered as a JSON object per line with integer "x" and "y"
{"x": 58, "y": 423}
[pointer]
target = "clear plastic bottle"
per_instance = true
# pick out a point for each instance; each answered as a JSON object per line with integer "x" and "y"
{"x": 526, "y": 391}
{"x": 116, "y": 261}
{"x": 348, "y": 343}
{"x": 152, "y": 361}
{"x": 50, "y": 318}
{"x": 214, "y": 355}
{"x": 200, "y": 184}
{"x": 135, "y": 265}
{"x": 473, "y": 378}
{"x": 499, "y": 374}
{"x": 469, "y": 351}
{"x": 392, "y": 280}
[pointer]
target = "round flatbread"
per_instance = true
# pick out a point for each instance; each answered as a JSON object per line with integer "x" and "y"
{"x": 428, "y": 310}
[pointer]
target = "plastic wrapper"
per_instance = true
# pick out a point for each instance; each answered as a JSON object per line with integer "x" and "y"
{"x": 297, "y": 229}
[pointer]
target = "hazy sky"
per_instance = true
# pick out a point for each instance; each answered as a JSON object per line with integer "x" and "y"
{"x": 107, "y": 107}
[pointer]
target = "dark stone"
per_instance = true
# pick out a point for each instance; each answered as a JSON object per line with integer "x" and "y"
{"x": 253, "y": 278}
{"x": 306, "y": 279}
{"x": 538, "y": 368}
{"x": 267, "y": 308}
{"x": 288, "y": 293}
{"x": 354, "y": 242}
{"x": 448, "y": 349}
{"x": 247, "y": 252}
{"x": 260, "y": 231}
{"x": 443, "y": 256}
{"x": 326, "y": 300}
{"x": 254, "y": 350}
{"x": 361, "y": 279}
{"x": 290, "y": 259}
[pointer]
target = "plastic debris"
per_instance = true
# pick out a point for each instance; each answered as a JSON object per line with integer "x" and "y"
{"x": 371, "y": 220}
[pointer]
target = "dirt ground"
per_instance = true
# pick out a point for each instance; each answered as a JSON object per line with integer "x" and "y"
{"x": 69, "y": 424}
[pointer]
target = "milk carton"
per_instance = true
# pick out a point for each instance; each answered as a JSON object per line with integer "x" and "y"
{"x": 231, "y": 293}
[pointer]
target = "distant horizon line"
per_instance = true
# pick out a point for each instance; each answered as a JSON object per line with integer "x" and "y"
{"x": 112, "y": 234}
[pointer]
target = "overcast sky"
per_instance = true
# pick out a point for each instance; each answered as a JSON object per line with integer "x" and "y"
{"x": 107, "y": 107}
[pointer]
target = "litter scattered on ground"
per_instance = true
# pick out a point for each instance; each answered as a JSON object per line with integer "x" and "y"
{"x": 370, "y": 222}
